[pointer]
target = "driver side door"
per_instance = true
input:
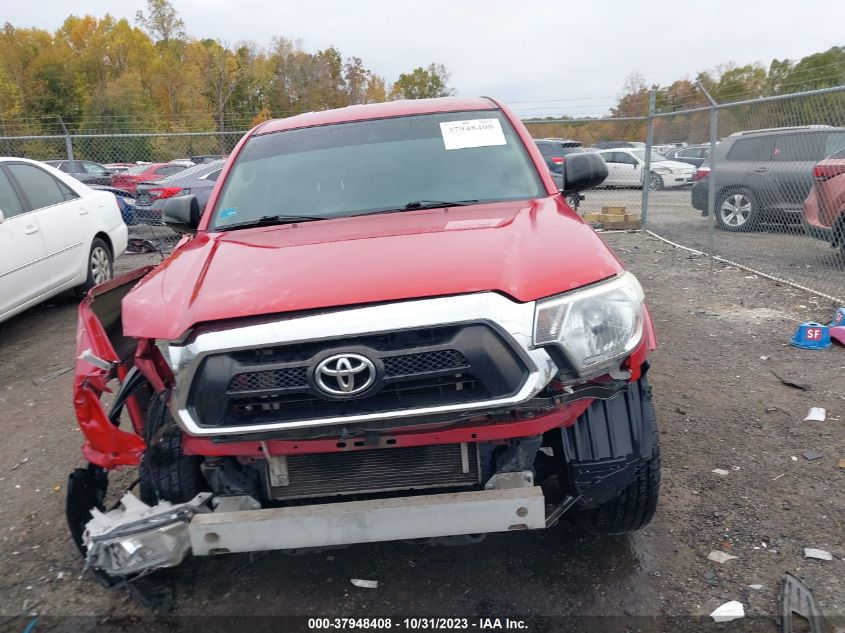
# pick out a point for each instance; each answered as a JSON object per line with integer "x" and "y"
{"x": 24, "y": 273}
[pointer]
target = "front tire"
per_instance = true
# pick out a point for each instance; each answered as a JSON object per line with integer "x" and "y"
{"x": 166, "y": 474}
{"x": 736, "y": 210}
{"x": 612, "y": 462}
{"x": 655, "y": 182}
{"x": 100, "y": 266}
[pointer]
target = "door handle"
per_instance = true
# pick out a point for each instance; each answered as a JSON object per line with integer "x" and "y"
{"x": 760, "y": 170}
{"x": 30, "y": 229}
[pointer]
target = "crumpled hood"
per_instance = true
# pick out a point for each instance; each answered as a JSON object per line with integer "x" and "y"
{"x": 526, "y": 250}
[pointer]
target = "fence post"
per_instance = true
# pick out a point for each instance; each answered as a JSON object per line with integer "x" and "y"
{"x": 649, "y": 141}
{"x": 711, "y": 185}
{"x": 68, "y": 145}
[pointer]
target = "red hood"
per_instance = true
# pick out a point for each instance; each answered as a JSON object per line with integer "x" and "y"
{"x": 526, "y": 250}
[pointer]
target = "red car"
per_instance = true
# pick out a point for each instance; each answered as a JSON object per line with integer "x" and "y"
{"x": 823, "y": 213}
{"x": 387, "y": 324}
{"x": 128, "y": 180}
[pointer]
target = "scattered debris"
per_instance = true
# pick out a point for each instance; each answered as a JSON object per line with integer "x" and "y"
{"x": 52, "y": 375}
{"x": 721, "y": 471}
{"x": 136, "y": 245}
{"x": 729, "y": 611}
{"x": 755, "y": 587}
{"x": 796, "y": 598}
{"x": 720, "y": 557}
{"x": 19, "y": 464}
{"x": 816, "y": 414}
{"x": 364, "y": 584}
{"x": 842, "y": 462}
{"x": 792, "y": 383}
{"x": 764, "y": 358}
{"x": 708, "y": 575}
{"x": 778, "y": 477}
{"x": 794, "y": 459}
{"x": 811, "y": 455}
{"x": 786, "y": 505}
{"x": 820, "y": 554}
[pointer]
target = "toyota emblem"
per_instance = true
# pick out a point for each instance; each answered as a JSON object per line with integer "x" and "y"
{"x": 345, "y": 375}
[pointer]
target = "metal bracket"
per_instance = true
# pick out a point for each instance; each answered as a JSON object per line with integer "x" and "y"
{"x": 235, "y": 503}
{"x": 277, "y": 467}
{"x": 506, "y": 481}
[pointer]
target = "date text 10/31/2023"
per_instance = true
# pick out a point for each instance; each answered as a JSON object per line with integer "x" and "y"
{"x": 412, "y": 624}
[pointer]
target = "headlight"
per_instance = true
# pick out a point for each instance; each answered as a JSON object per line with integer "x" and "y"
{"x": 661, "y": 170}
{"x": 594, "y": 327}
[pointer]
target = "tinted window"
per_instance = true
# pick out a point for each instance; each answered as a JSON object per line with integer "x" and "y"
{"x": 213, "y": 176}
{"x": 379, "y": 165}
{"x": 192, "y": 172}
{"x": 546, "y": 149}
{"x": 10, "y": 204}
{"x": 94, "y": 168}
{"x": 835, "y": 143}
{"x": 798, "y": 147}
{"x": 137, "y": 170}
{"x": 759, "y": 148}
{"x": 167, "y": 170}
{"x": 40, "y": 188}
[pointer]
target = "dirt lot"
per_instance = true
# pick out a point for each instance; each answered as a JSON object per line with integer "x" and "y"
{"x": 719, "y": 405}
{"x": 778, "y": 249}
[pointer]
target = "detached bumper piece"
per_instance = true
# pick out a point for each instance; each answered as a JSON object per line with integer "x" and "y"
{"x": 136, "y": 537}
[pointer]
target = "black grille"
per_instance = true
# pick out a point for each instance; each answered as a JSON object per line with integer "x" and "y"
{"x": 287, "y": 378}
{"x": 424, "y": 363}
{"x": 381, "y": 470}
{"x": 415, "y": 369}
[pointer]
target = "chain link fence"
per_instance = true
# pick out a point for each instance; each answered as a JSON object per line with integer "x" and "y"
{"x": 769, "y": 194}
{"x": 622, "y": 143}
{"x": 130, "y": 159}
{"x": 770, "y": 198}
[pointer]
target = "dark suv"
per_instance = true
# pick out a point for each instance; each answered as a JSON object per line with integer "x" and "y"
{"x": 554, "y": 151}
{"x": 764, "y": 175}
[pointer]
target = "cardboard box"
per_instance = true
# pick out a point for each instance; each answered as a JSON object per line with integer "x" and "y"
{"x": 590, "y": 218}
{"x": 613, "y": 210}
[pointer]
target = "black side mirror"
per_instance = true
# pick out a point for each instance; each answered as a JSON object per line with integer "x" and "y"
{"x": 182, "y": 214}
{"x": 583, "y": 171}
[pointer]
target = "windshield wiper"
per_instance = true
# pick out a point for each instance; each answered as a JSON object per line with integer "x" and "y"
{"x": 434, "y": 204}
{"x": 422, "y": 204}
{"x": 267, "y": 220}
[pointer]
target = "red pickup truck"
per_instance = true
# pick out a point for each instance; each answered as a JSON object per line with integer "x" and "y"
{"x": 386, "y": 324}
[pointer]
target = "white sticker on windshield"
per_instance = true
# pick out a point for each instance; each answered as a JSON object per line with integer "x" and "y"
{"x": 472, "y": 133}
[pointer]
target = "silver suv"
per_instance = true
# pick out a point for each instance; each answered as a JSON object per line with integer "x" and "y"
{"x": 764, "y": 175}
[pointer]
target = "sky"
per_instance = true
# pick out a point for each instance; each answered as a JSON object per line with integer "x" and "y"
{"x": 540, "y": 57}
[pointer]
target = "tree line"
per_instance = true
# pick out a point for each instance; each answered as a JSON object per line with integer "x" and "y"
{"x": 109, "y": 75}
{"x": 727, "y": 83}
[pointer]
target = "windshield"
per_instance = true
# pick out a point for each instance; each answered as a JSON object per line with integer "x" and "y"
{"x": 137, "y": 169}
{"x": 362, "y": 167}
{"x": 195, "y": 171}
{"x": 655, "y": 157}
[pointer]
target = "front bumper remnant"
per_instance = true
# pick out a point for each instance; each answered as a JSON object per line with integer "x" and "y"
{"x": 144, "y": 538}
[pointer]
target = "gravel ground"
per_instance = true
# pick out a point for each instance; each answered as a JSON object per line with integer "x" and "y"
{"x": 776, "y": 249}
{"x": 721, "y": 335}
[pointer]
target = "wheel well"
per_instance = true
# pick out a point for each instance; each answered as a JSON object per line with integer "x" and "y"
{"x": 107, "y": 240}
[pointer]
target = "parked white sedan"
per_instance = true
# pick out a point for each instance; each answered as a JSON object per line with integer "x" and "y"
{"x": 56, "y": 234}
{"x": 625, "y": 169}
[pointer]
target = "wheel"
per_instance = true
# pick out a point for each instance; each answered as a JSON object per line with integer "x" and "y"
{"x": 655, "y": 182}
{"x": 100, "y": 266}
{"x": 612, "y": 462}
{"x": 166, "y": 474}
{"x": 736, "y": 211}
{"x": 633, "y": 508}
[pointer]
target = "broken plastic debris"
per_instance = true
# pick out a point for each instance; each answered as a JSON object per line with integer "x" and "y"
{"x": 365, "y": 584}
{"x": 732, "y": 610}
{"x": 820, "y": 554}
{"x": 811, "y": 455}
{"x": 816, "y": 414}
{"x": 720, "y": 557}
{"x": 755, "y": 586}
{"x": 721, "y": 471}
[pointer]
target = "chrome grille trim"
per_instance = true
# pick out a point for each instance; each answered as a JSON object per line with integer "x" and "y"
{"x": 513, "y": 320}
